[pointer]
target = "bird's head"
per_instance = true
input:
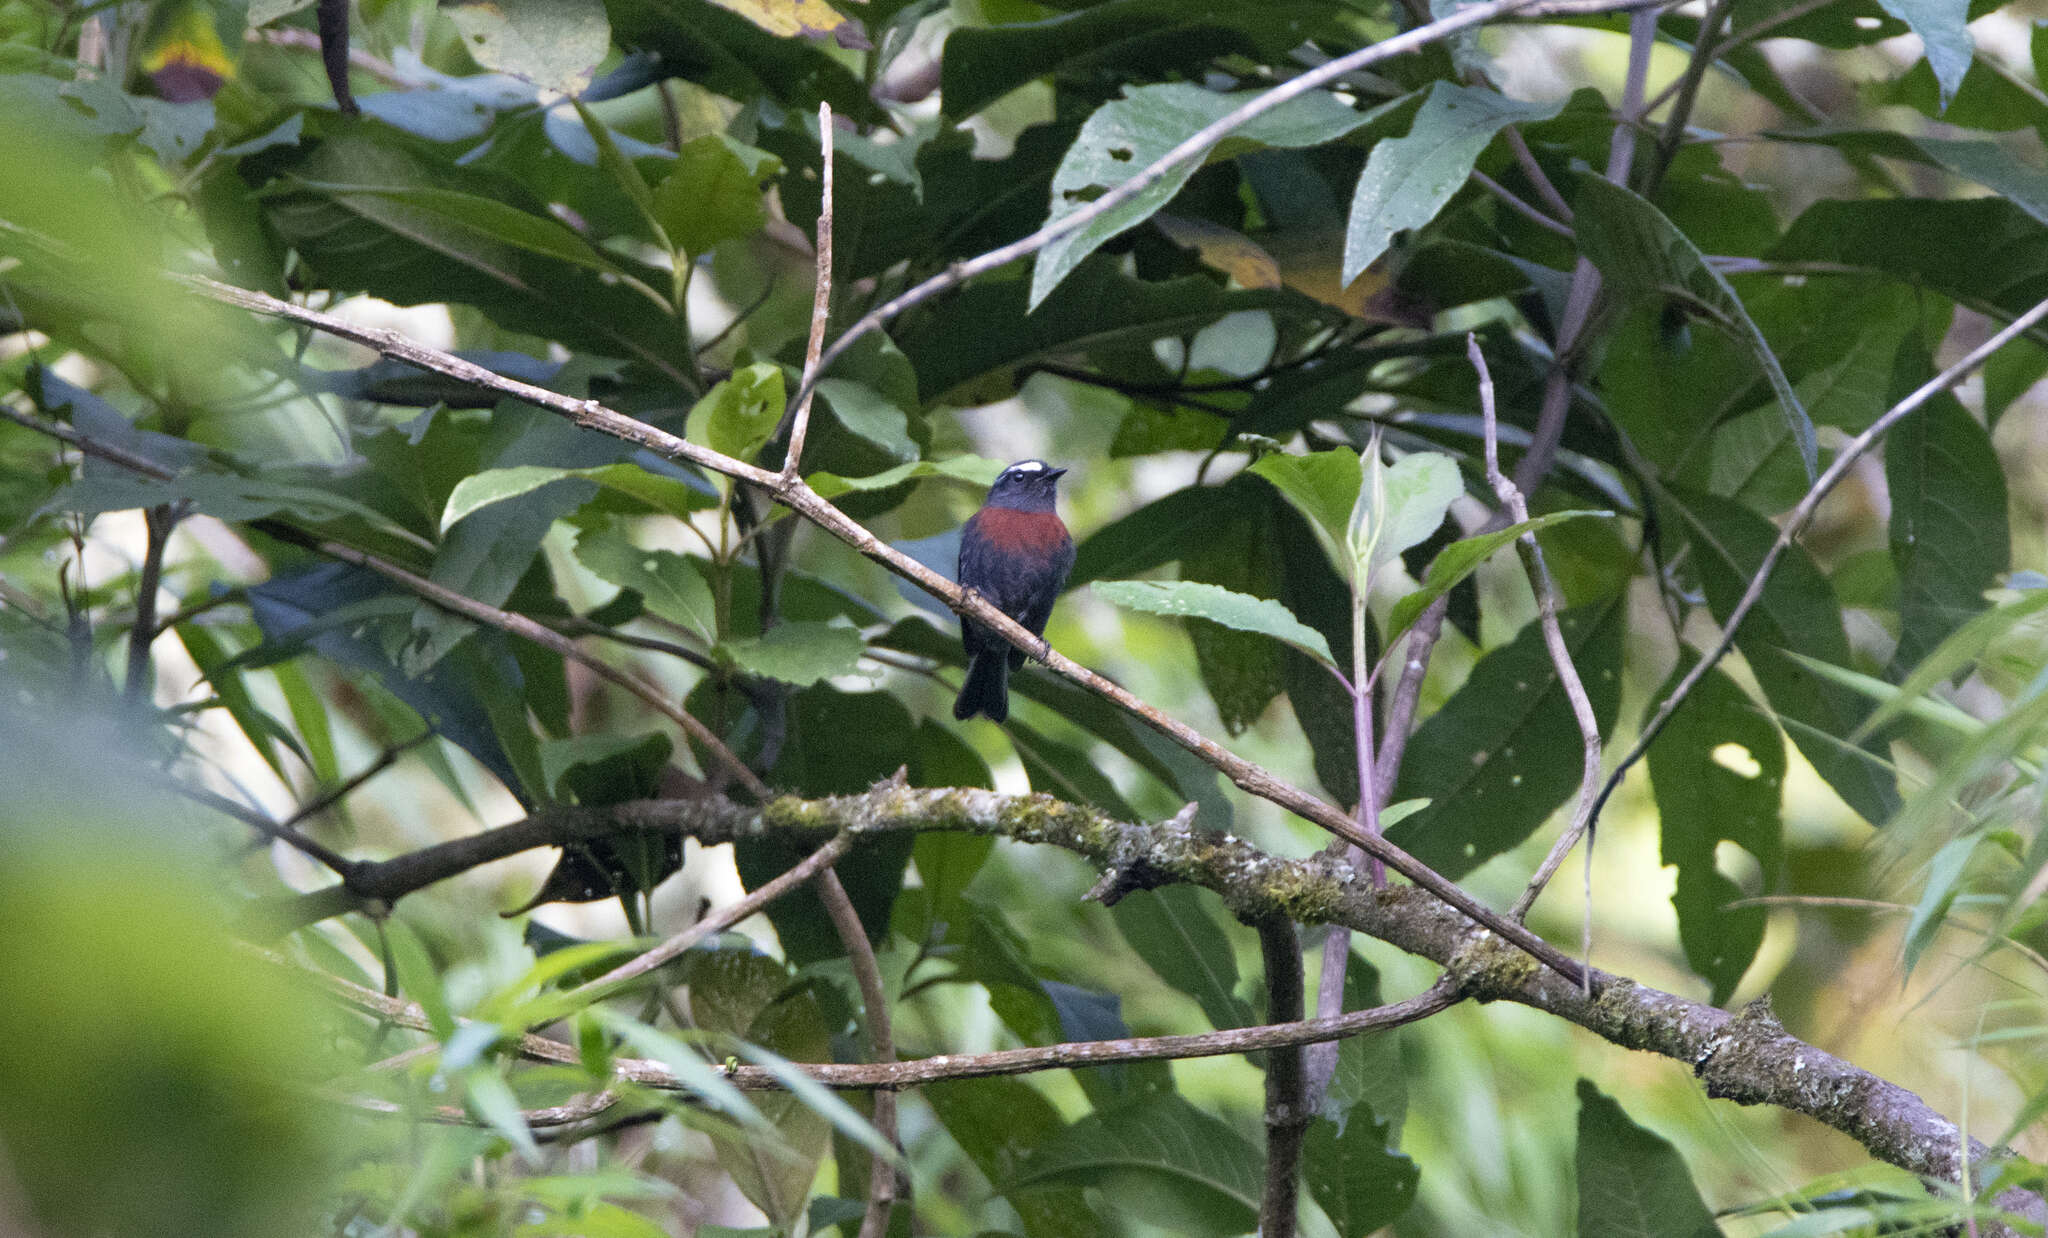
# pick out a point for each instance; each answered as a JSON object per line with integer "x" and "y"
{"x": 1027, "y": 486}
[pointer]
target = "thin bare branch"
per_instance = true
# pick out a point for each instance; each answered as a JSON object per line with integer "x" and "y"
{"x": 896, "y": 1076}
{"x": 1795, "y": 524}
{"x": 1517, "y": 508}
{"x": 713, "y": 923}
{"x": 821, "y": 308}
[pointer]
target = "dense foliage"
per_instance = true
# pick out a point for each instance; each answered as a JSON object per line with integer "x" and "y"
{"x": 261, "y": 585}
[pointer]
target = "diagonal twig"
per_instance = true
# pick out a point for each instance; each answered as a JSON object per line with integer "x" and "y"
{"x": 821, "y": 303}
{"x": 1795, "y": 523}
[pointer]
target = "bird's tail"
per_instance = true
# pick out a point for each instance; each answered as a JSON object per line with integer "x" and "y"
{"x": 987, "y": 690}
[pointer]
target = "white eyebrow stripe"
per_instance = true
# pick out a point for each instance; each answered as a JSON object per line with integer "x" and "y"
{"x": 1026, "y": 466}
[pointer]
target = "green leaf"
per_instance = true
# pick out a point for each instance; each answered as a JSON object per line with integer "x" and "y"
{"x": 1243, "y": 671}
{"x": 740, "y": 414}
{"x": 403, "y": 223}
{"x": 1718, "y": 772}
{"x": 1796, "y": 614}
{"x": 799, "y": 653}
{"x": 1324, "y": 486}
{"x": 1173, "y": 930}
{"x": 1401, "y": 505}
{"x": 624, "y": 175}
{"x": 1504, "y": 752}
{"x": 997, "y": 1122}
{"x": 1632, "y": 1184}
{"x": 1354, "y": 1174}
{"x": 1458, "y": 560}
{"x": 455, "y": 213}
{"x": 821, "y": 1100}
{"x": 669, "y": 582}
{"x": 697, "y": 1077}
{"x": 971, "y": 469}
{"x": 869, "y": 414}
{"x": 491, "y": 1099}
{"x": 1407, "y": 180}
{"x": 981, "y": 64}
{"x": 670, "y": 496}
{"x": 1949, "y": 536}
{"x": 987, "y": 327}
{"x": 1646, "y": 257}
{"x": 1985, "y": 252}
{"x": 551, "y": 43}
{"x": 1126, "y": 135}
{"x": 714, "y": 192}
{"x": 1192, "y": 599}
{"x": 1990, "y": 165}
{"x": 1159, "y": 1151}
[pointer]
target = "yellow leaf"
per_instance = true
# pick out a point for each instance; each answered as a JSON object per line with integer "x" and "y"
{"x": 812, "y": 19}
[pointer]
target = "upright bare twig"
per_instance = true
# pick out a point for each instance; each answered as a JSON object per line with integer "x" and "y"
{"x": 1517, "y": 508}
{"x": 821, "y": 301}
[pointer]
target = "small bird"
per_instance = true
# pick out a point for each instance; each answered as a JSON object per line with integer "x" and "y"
{"x": 1016, "y": 553}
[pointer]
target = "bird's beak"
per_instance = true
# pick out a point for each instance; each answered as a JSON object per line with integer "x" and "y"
{"x": 1054, "y": 474}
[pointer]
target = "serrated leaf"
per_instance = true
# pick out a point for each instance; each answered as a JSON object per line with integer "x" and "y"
{"x": 670, "y": 584}
{"x": 799, "y": 653}
{"x": 1126, "y": 135}
{"x": 1407, "y": 180}
{"x": 1645, "y": 256}
{"x": 1194, "y": 600}
{"x": 1361, "y": 1183}
{"x": 1632, "y": 1184}
{"x": 1460, "y": 559}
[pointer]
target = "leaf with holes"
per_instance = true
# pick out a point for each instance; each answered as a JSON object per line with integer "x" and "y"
{"x": 1126, "y": 135}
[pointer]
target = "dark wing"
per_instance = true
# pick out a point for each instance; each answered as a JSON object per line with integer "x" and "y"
{"x": 975, "y": 570}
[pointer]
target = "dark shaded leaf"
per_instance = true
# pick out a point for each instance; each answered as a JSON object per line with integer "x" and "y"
{"x": 1797, "y": 614}
{"x": 1175, "y": 931}
{"x": 1504, "y": 751}
{"x": 1949, "y": 537}
{"x": 1718, "y": 772}
{"x": 1632, "y": 1184}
